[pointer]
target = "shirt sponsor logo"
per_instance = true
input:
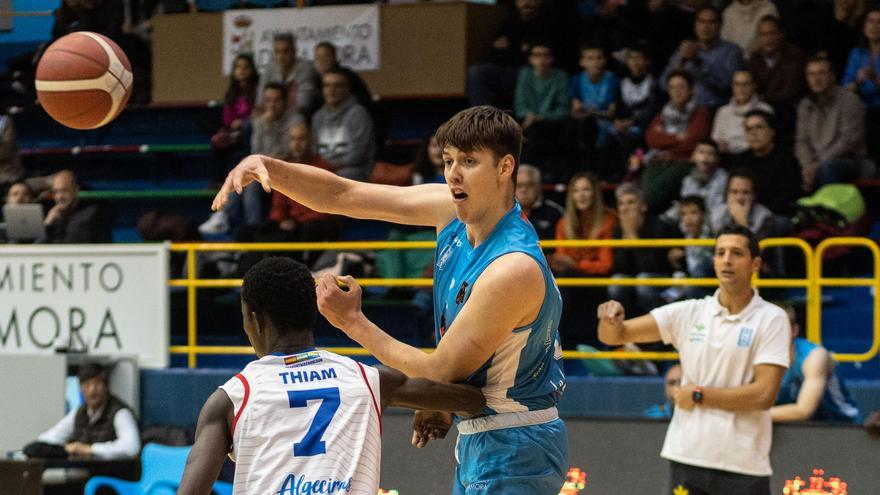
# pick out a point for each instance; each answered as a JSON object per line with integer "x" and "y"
{"x": 447, "y": 252}
{"x": 302, "y": 359}
{"x": 745, "y": 337}
{"x": 697, "y": 334}
{"x": 302, "y": 486}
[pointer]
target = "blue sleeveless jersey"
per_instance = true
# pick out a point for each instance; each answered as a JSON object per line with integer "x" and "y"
{"x": 525, "y": 373}
{"x": 836, "y": 405}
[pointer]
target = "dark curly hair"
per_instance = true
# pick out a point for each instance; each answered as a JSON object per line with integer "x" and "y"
{"x": 284, "y": 291}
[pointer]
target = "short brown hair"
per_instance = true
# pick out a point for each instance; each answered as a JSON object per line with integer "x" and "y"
{"x": 483, "y": 127}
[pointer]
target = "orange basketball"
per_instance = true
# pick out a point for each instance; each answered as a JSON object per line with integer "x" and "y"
{"x": 83, "y": 80}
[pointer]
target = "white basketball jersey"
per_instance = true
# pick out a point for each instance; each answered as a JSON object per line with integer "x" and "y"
{"x": 307, "y": 423}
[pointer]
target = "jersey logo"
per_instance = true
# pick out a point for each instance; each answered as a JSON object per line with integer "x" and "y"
{"x": 745, "y": 337}
{"x": 302, "y": 359}
{"x": 462, "y": 291}
{"x": 443, "y": 324}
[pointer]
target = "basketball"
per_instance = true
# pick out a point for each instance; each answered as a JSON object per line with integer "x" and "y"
{"x": 83, "y": 80}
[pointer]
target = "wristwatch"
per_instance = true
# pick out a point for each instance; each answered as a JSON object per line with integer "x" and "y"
{"x": 697, "y": 395}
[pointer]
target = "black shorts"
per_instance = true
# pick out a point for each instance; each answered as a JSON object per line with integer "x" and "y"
{"x": 704, "y": 481}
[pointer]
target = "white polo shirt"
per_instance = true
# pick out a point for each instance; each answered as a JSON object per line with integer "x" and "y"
{"x": 718, "y": 349}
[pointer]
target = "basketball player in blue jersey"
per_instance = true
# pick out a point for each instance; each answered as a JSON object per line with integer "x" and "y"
{"x": 497, "y": 306}
{"x": 301, "y": 420}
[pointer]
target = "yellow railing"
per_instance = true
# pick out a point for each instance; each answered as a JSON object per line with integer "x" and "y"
{"x": 812, "y": 283}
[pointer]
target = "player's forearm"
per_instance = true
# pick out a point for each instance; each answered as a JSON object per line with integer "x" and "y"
{"x": 751, "y": 397}
{"x": 611, "y": 333}
{"x": 314, "y": 187}
{"x": 441, "y": 397}
{"x": 391, "y": 352}
{"x": 789, "y": 412}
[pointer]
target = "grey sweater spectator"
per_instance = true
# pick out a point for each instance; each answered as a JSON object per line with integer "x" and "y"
{"x": 740, "y": 207}
{"x": 710, "y": 60}
{"x": 830, "y": 140}
{"x": 705, "y": 180}
{"x": 72, "y": 221}
{"x": 269, "y": 129}
{"x": 342, "y": 129}
{"x": 298, "y": 76}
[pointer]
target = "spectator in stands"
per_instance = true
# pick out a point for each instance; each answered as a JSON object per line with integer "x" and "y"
{"x": 297, "y": 76}
{"x": 543, "y": 213}
{"x": 774, "y": 168}
{"x": 740, "y": 207}
{"x": 586, "y": 217}
{"x": 428, "y": 167}
{"x": 71, "y": 220}
{"x": 830, "y": 141}
{"x": 593, "y": 97}
{"x": 238, "y": 104}
{"x": 872, "y": 424}
{"x": 636, "y": 104}
{"x": 19, "y": 193}
{"x": 634, "y": 223}
{"x": 777, "y": 66}
{"x": 680, "y": 125}
{"x": 663, "y": 25}
{"x": 268, "y": 137}
{"x": 11, "y": 168}
{"x": 692, "y": 261}
{"x": 290, "y": 221}
{"x": 861, "y": 77}
{"x": 541, "y": 105}
{"x": 710, "y": 60}
{"x": 671, "y": 381}
{"x": 706, "y": 180}
{"x": 839, "y": 32}
{"x": 325, "y": 60}
{"x": 103, "y": 427}
{"x": 811, "y": 388}
{"x": 342, "y": 130}
{"x": 740, "y": 21}
{"x": 99, "y": 16}
{"x": 494, "y": 82}
{"x": 608, "y": 29}
{"x": 728, "y": 129}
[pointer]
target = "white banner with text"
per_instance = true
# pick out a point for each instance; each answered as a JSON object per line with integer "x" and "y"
{"x": 353, "y": 29}
{"x": 99, "y": 299}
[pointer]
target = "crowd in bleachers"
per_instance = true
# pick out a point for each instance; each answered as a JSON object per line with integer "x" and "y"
{"x": 706, "y": 113}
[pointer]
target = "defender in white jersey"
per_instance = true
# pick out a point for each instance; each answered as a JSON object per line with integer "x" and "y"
{"x": 299, "y": 420}
{"x": 734, "y": 350}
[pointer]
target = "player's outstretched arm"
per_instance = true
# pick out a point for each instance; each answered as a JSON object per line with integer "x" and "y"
{"x": 488, "y": 317}
{"x": 213, "y": 439}
{"x": 427, "y": 204}
{"x": 423, "y": 394}
{"x": 614, "y": 329}
{"x": 815, "y": 369}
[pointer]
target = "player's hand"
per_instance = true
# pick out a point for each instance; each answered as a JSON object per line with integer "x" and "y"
{"x": 430, "y": 425}
{"x": 248, "y": 170}
{"x": 684, "y": 397}
{"x": 611, "y": 312}
{"x": 341, "y": 308}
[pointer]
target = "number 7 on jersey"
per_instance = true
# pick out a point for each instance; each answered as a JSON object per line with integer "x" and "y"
{"x": 311, "y": 443}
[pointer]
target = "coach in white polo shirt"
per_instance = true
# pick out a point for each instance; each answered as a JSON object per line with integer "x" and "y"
{"x": 734, "y": 350}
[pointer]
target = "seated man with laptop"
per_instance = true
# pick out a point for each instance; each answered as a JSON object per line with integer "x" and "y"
{"x": 22, "y": 217}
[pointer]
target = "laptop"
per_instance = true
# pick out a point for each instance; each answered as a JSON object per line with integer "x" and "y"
{"x": 24, "y": 222}
{"x": 21, "y": 477}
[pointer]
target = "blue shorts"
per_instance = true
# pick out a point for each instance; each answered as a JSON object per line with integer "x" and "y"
{"x": 521, "y": 460}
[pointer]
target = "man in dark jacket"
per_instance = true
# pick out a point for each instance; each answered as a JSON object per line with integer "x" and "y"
{"x": 102, "y": 427}
{"x": 72, "y": 221}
